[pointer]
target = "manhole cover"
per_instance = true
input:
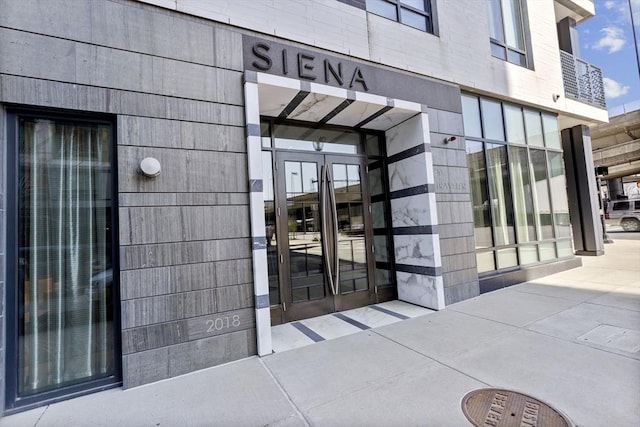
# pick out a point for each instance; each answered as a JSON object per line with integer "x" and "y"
{"x": 493, "y": 407}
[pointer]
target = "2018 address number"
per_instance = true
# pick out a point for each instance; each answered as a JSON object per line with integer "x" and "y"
{"x": 221, "y": 323}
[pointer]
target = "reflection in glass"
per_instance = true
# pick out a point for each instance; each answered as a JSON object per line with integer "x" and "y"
{"x": 565, "y": 248}
{"x": 495, "y": 20}
{"x": 547, "y": 251}
{"x": 413, "y": 19}
{"x": 513, "y": 24}
{"x": 351, "y": 231}
{"x": 479, "y": 194}
{"x": 528, "y": 254}
{"x": 305, "y": 248}
{"x": 541, "y": 193}
{"x": 471, "y": 116}
{"x": 559, "y": 200}
{"x": 302, "y": 138}
{"x": 551, "y": 132}
{"x": 501, "y": 203}
{"x": 522, "y": 195}
{"x": 270, "y": 221}
{"x": 65, "y": 272}
{"x": 514, "y": 124}
{"x": 533, "y": 125}
{"x": 486, "y": 261}
{"x": 382, "y": 8}
{"x": 492, "y": 119}
{"x": 507, "y": 258}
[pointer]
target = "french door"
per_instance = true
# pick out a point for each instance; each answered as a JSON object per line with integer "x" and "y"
{"x": 324, "y": 234}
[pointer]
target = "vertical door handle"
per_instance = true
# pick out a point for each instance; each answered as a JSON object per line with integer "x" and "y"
{"x": 334, "y": 204}
{"x": 324, "y": 234}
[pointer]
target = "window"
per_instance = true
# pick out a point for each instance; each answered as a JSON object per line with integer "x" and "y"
{"x": 414, "y": 13}
{"x": 62, "y": 269}
{"x": 516, "y": 172}
{"x": 506, "y": 27}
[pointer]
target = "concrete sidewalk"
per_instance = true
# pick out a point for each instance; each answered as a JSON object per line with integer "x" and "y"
{"x": 571, "y": 339}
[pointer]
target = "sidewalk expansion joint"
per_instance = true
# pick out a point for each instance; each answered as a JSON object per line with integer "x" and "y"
{"x": 284, "y": 393}
{"x": 431, "y": 358}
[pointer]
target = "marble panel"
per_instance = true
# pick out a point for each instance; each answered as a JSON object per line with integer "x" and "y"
{"x": 371, "y": 98}
{"x": 370, "y": 317}
{"x": 329, "y": 90}
{"x": 414, "y": 211}
{"x": 329, "y": 326}
{"x": 355, "y": 113}
{"x": 408, "y": 173}
{"x": 407, "y": 135}
{"x": 425, "y": 291}
{"x": 390, "y": 119}
{"x": 286, "y": 337}
{"x": 420, "y": 250}
{"x": 274, "y": 99}
{"x": 314, "y": 107}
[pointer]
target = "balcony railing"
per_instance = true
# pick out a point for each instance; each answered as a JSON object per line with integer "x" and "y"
{"x": 582, "y": 81}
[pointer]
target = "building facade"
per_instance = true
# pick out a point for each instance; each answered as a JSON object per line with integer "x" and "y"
{"x": 179, "y": 176}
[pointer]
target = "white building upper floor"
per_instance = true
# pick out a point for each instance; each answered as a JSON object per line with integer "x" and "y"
{"x": 461, "y": 46}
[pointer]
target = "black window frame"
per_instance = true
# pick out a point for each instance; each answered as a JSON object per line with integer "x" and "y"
{"x": 12, "y": 402}
{"x": 428, "y": 13}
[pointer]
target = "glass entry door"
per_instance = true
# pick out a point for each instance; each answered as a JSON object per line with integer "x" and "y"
{"x": 324, "y": 234}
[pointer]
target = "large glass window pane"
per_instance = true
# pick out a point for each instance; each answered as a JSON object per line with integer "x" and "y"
{"x": 479, "y": 194}
{"x": 417, "y": 4}
{"x": 522, "y": 194}
{"x": 501, "y": 203}
{"x": 541, "y": 193}
{"x": 492, "y": 120}
{"x": 547, "y": 251}
{"x": 383, "y": 8}
{"x": 486, "y": 262}
{"x": 507, "y": 258}
{"x": 551, "y": 133}
{"x": 514, "y": 124}
{"x": 495, "y": 20}
{"x": 565, "y": 248}
{"x": 66, "y": 287}
{"x": 534, "y": 128}
{"x": 513, "y": 24}
{"x": 471, "y": 116}
{"x": 528, "y": 254}
{"x": 303, "y": 138}
{"x": 413, "y": 19}
{"x": 559, "y": 200}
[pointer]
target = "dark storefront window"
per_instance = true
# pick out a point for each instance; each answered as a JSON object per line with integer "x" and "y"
{"x": 64, "y": 272}
{"x": 520, "y": 207}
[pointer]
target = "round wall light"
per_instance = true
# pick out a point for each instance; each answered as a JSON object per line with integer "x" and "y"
{"x": 150, "y": 167}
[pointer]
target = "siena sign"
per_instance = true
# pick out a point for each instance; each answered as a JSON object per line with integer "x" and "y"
{"x": 288, "y": 61}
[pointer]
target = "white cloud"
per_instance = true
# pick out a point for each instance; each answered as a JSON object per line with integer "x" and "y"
{"x": 609, "y": 4}
{"x": 613, "y": 39}
{"x": 613, "y": 89}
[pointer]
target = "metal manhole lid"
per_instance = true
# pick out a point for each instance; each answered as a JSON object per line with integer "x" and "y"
{"x": 494, "y": 407}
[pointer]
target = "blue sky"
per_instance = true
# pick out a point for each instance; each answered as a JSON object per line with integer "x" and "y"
{"x": 607, "y": 41}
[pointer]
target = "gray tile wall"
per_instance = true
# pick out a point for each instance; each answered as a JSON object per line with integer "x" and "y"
{"x": 175, "y": 84}
{"x": 453, "y": 199}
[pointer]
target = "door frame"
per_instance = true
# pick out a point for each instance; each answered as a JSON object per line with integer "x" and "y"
{"x": 290, "y": 311}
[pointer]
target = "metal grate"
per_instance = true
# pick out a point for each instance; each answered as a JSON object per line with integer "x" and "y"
{"x": 582, "y": 81}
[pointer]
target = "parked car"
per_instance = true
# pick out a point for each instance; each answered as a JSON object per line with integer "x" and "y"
{"x": 625, "y": 213}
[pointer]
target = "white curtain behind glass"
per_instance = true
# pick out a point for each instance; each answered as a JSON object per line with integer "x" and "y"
{"x": 66, "y": 336}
